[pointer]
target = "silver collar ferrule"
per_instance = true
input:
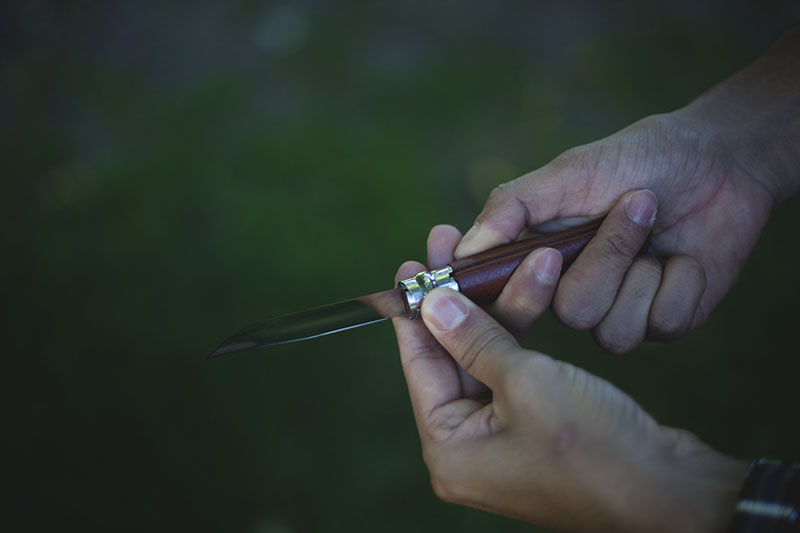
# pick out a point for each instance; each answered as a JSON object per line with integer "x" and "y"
{"x": 415, "y": 289}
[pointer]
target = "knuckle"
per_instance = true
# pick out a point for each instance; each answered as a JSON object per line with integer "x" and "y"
{"x": 573, "y": 377}
{"x": 566, "y": 375}
{"x": 649, "y": 267}
{"x": 498, "y": 196}
{"x": 525, "y": 385}
{"x": 564, "y": 372}
{"x": 443, "y": 489}
{"x": 568, "y": 159}
{"x": 666, "y": 325}
{"x": 619, "y": 246}
{"x": 643, "y": 278}
{"x": 692, "y": 268}
{"x": 526, "y": 306}
{"x": 575, "y": 312}
{"x": 616, "y": 342}
{"x": 508, "y": 194}
{"x": 524, "y": 376}
{"x": 502, "y": 208}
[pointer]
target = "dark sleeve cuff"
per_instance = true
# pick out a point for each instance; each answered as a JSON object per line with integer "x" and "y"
{"x": 770, "y": 499}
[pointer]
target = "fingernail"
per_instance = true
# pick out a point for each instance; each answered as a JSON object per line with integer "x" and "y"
{"x": 547, "y": 265}
{"x": 641, "y": 207}
{"x": 444, "y": 310}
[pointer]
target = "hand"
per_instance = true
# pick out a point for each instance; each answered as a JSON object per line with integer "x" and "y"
{"x": 717, "y": 167}
{"x": 702, "y": 213}
{"x": 545, "y": 442}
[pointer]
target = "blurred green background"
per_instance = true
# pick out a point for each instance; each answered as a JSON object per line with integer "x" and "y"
{"x": 176, "y": 170}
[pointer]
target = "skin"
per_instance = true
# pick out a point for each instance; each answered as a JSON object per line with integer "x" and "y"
{"x": 697, "y": 185}
{"x": 515, "y": 432}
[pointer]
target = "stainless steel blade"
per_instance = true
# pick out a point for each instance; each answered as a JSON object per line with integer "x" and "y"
{"x": 317, "y": 322}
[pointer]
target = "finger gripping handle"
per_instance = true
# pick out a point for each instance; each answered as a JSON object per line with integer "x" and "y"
{"x": 481, "y": 277}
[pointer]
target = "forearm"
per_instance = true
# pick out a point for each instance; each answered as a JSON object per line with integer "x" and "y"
{"x": 756, "y": 113}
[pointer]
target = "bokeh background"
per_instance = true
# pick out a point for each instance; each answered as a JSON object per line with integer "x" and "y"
{"x": 172, "y": 171}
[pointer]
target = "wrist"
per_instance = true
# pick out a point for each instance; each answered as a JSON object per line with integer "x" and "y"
{"x": 696, "y": 487}
{"x": 709, "y": 485}
{"x": 754, "y": 149}
{"x": 754, "y": 114}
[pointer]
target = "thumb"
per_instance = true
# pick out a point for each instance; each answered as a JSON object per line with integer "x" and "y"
{"x": 527, "y": 201}
{"x": 475, "y": 340}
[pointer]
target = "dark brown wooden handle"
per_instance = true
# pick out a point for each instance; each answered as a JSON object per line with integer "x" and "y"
{"x": 482, "y": 276}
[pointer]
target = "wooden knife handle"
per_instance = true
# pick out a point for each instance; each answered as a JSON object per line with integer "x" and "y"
{"x": 482, "y": 276}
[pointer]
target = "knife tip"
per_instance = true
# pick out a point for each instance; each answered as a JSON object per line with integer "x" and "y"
{"x": 231, "y": 347}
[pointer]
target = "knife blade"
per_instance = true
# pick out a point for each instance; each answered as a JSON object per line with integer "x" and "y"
{"x": 317, "y": 322}
{"x": 480, "y": 277}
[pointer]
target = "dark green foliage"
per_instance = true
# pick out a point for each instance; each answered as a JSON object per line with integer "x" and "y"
{"x": 172, "y": 173}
